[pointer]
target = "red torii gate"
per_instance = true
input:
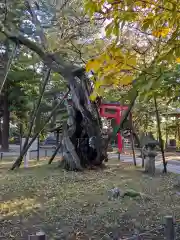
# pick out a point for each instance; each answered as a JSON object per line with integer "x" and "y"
{"x": 114, "y": 110}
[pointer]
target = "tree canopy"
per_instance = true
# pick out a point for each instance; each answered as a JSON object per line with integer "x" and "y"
{"x": 144, "y": 42}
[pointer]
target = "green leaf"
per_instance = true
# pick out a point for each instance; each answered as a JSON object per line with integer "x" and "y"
{"x": 177, "y": 52}
{"x": 147, "y": 23}
{"x": 116, "y": 30}
{"x": 109, "y": 29}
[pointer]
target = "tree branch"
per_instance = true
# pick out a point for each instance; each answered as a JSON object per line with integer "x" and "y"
{"x": 52, "y": 60}
{"x": 36, "y": 22}
{"x": 36, "y": 110}
{"x": 146, "y": 2}
{"x": 5, "y": 11}
{"x": 8, "y": 66}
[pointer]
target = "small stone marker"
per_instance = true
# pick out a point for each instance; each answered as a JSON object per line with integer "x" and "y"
{"x": 114, "y": 193}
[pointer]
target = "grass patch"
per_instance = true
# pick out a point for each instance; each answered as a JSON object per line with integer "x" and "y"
{"x": 70, "y": 205}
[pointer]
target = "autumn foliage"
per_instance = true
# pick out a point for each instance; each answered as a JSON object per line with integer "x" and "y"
{"x": 143, "y": 37}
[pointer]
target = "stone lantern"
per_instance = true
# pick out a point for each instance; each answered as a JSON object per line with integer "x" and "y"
{"x": 150, "y": 154}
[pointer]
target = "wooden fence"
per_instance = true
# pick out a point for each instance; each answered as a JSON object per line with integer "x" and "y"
{"x": 168, "y": 226}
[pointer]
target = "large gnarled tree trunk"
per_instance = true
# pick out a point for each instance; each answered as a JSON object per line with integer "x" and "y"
{"x": 82, "y": 141}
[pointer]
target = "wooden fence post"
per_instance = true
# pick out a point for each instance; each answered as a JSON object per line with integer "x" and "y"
{"x": 169, "y": 228}
{"x": 38, "y": 236}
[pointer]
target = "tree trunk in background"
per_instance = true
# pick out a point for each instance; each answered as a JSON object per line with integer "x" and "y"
{"x": 146, "y": 124}
{"x": 4, "y": 99}
{"x": 53, "y": 120}
{"x": 160, "y": 135}
{"x": 133, "y": 149}
{"x": 132, "y": 140}
{"x": 6, "y": 119}
{"x": 166, "y": 131}
{"x": 38, "y": 146}
{"x": 20, "y": 134}
{"x": 0, "y": 131}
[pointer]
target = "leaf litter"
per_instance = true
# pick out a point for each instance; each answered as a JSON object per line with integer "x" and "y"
{"x": 69, "y": 205}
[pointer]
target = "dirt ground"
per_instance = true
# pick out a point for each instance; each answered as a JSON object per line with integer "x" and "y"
{"x": 69, "y": 205}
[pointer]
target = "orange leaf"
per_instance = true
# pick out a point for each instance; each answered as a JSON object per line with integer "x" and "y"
{"x": 178, "y": 60}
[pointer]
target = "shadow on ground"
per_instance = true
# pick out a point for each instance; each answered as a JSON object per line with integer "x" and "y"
{"x": 69, "y": 205}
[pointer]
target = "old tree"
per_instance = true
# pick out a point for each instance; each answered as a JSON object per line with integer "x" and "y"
{"x": 140, "y": 47}
{"x": 38, "y": 24}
